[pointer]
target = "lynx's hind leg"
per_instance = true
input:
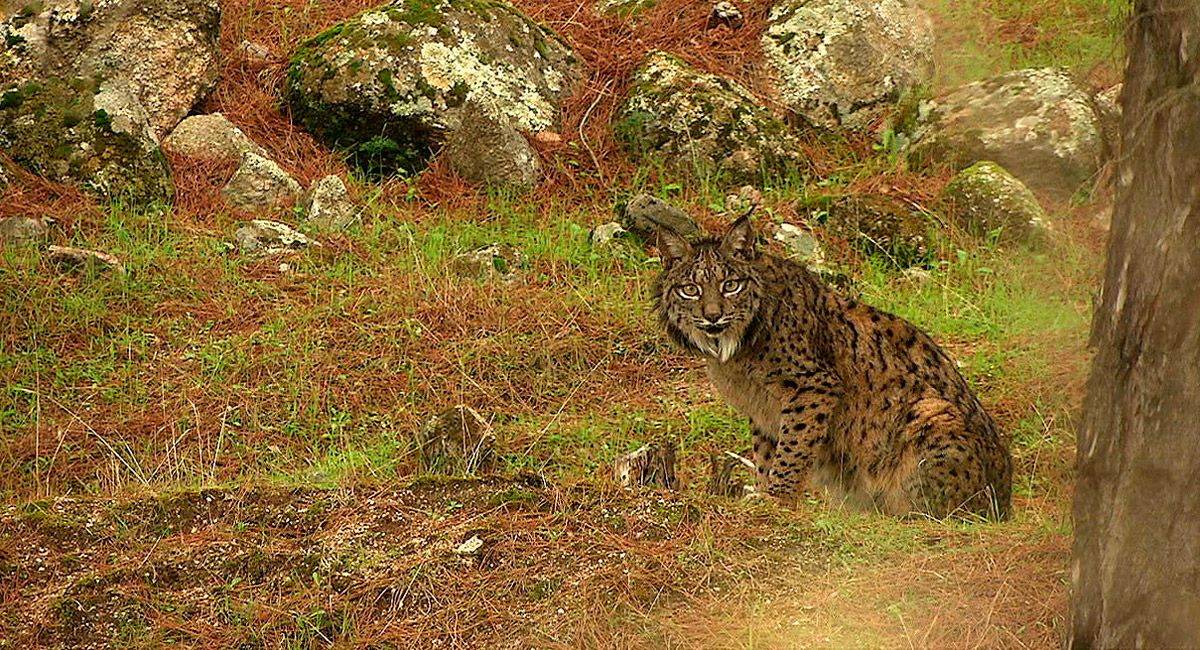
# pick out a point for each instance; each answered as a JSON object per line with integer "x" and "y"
{"x": 946, "y": 470}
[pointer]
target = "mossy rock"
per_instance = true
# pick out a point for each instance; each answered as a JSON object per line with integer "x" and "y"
{"x": 883, "y": 226}
{"x": 70, "y": 130}
{"x": 389, "y": 85}
{"x": 986, "y": 200}
{"x": 687, "y": 120}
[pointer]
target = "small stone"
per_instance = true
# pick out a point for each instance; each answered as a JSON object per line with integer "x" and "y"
{"x": 262, "y": 237}
{"x": 80, "y": 260}
{"x": 726, "y": 13}
{"x": 254, "y": 53}
{"x": 22, "y": 231}
{"x": 605, "y": 233}
{"x": 645, "y": 215}
{"x": 917, "y": 274}
{"x": 493, "y": 260}
{"x": 747, "y": 198}
{"x": 650, "y": 464}
{"x": 210, "y": 136}
{"x": 800, "y": 244}
{"x": 458, "y": 441}
{"x": 258, "y": 184}
{"x": 470, "y": 547}
{"x": 328, "y": 205}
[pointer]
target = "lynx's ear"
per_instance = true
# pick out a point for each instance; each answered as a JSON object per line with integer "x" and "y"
{"x": 740, "y": 241}
{"x": 671, "y": 246}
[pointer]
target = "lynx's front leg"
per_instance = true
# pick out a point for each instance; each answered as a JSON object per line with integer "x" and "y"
{"x": 802, "y": 440}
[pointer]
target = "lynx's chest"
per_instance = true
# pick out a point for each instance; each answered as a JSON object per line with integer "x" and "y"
{"x": 735, "y": 384}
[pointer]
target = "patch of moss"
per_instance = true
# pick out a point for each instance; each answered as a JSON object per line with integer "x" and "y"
{"x": 11, "y": 99}
{"x": 417, "y": 12}
{"x": 47, "y": 128}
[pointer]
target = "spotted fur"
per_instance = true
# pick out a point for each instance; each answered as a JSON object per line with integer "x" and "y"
{"x": 839, "y": 394}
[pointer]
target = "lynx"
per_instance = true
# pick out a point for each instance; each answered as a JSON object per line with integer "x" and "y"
{"x": 840, "y": 395}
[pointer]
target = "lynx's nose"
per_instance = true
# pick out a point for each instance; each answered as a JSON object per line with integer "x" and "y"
{"x": 711, "y": 312}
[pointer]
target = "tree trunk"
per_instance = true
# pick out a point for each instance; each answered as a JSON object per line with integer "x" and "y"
{"x": 1136, "y": 565}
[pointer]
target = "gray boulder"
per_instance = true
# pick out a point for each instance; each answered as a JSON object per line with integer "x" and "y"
{"x": 328, "y": 205}
{"x": 260, "y": 184}
{"x": 388, "y": 86}
{"x": 164, "y": 51}
{"x": 1037, "y": 123}
{"x": 688, "y": 119}
{"x": 88, "y": 87}
{"x": 492, "y": 151}
{"x": 841, "y": 63}
{"x": 97, "y": 137}
{"x": 645, "y": 215}
{"x": 984, "y": 198}
{"x": 210, "y": 136}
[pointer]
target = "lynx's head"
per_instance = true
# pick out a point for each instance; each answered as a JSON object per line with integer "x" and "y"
{"x": 709, "y": 294}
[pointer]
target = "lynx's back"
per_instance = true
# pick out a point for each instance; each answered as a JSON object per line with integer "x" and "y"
{"x": 840, "y": 394}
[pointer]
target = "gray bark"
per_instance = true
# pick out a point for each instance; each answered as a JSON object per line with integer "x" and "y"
{"x": 1136, "y": 564}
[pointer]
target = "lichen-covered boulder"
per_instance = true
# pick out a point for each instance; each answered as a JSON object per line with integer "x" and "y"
{"x": 1036, "y": 123}
{"x": 881, "y": 225}
{"x": 493, "y": 152}
{"x": 96, "y": 137}
{"x": 210, "y": 136}
{"x": 986, "y": 200}
{"x": 688, "y": 119}
{"x": 164, "y": 50}
{"x": 147, "y": 62}
{"x": 388, "y": 85}
{"x": 841, "y": 63}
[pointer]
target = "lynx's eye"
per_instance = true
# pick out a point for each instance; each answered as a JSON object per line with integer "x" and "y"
{"x": 731, "y": 287}
{"x": 688, "y": 291}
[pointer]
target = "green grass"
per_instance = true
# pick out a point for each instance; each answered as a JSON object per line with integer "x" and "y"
{"x": 986, "y": 38}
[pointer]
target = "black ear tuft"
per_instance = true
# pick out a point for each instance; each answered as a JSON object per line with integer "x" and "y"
{"x": 740, "y": 241}
{"x": 672, "y": 247}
